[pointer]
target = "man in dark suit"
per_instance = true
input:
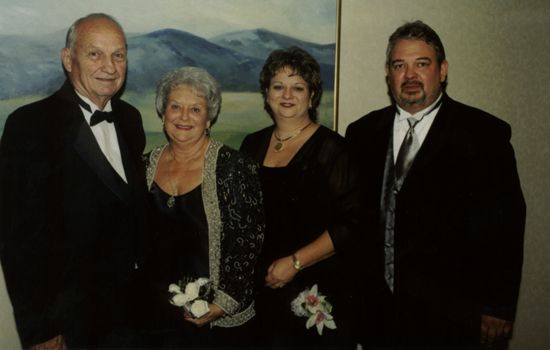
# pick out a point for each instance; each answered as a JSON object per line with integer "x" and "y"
{"x": 72, "y": 190}
{"x": 445, "y": 213}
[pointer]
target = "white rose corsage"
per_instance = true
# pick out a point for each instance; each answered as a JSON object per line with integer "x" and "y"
{"x": 193, "y": 296}
{"x": 313, "y": 305}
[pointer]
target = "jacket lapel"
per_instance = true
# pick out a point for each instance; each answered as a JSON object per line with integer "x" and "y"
{"x": 373, "y": 149}
{"x": 434, "y": 145}
{"x": 86, "y": 145}
{"x": 383, "y": 140}
{"x": 130, "y": 169}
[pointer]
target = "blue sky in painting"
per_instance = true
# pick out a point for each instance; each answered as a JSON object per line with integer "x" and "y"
{"x": 311, "y": 20}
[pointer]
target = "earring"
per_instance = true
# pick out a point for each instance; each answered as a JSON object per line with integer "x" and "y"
{"x": 207, "y": 131}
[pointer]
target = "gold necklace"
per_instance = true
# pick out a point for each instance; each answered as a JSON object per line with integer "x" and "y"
{"x": 279, "y": 146}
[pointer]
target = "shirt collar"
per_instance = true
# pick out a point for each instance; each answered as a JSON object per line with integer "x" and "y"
{"x": 92, "y": 105}
{"x": 433, "y": 108}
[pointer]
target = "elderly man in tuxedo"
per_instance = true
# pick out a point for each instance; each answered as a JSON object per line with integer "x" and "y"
{"x": 445, "y": 212}
{"x": 72, "y": 189}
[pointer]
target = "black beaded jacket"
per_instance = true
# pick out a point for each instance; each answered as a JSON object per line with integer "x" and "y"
{"x": 233, "y": 204}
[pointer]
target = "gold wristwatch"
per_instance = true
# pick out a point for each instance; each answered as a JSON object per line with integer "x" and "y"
{"x": 296, "y": 263}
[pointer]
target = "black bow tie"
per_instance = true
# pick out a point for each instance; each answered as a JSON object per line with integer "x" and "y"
{"x": 100, "y": 116}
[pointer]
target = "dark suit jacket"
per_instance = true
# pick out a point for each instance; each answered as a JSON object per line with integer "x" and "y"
{"x": 70, "y": 227}
{"x": 459, "y": 221}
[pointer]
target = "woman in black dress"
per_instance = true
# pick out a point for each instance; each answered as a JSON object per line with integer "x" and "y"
{"x": 207, "y": 217}
{"x": 310, "y": 199}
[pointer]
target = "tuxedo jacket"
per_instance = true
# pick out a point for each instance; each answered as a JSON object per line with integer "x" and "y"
{"x": 459, "y": 217}
{"x": 70, "y": 227}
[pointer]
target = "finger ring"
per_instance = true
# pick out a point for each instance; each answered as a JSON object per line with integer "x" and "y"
{"x": 281, "y": 285}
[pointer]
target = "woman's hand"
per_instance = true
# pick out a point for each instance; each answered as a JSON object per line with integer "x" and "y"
{"x": 212, "y": 315}
{"x": 280, "y": 272}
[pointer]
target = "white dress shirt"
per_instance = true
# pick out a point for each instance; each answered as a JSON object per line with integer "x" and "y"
{"x": 401, "y": 126}
{"x": 106, "y": 137}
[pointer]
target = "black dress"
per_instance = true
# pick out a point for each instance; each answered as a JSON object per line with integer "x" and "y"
{"x": 179, "y": 251}
{"x": 181, "y": 245}
{"x": 315, "y": 192}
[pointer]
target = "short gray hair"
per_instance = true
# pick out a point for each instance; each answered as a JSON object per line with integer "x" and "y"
{"x": 72, "y": 33}
{"x": 199, "y": 80}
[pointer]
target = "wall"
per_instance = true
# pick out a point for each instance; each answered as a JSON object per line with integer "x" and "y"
{"x": 8, "y": 335}
{"x": 498, "y": 53}
{"x": 498, "y": 60}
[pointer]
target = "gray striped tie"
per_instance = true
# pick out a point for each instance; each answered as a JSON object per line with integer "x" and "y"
{"x": 408, "y": 150}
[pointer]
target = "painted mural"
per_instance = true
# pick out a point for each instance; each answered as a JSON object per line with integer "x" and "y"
{"x": 229, "y": 38}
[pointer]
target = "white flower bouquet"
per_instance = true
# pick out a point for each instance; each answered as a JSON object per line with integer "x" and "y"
{"x": 313, "y": 305}
{"x": 193, "y": 296}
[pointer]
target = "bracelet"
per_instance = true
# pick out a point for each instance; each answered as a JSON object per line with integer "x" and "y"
{"x": 296, "y": 263}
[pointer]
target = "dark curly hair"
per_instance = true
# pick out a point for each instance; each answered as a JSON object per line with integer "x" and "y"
{"x": 302, "y": 64}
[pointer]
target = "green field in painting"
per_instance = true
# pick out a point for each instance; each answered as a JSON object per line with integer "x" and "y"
{"x": 241, "y": 114}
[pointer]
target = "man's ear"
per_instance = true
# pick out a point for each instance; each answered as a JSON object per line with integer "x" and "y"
{"x": 66, "y": 59}
{"x": 443, "y": 70}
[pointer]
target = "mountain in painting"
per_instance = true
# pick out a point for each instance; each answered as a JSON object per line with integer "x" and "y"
{"x": 153, "y": 54}
{"x": 259, "y": 43}
{"x": 31, "y": 65}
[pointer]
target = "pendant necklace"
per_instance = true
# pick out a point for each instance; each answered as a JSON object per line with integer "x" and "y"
{"x": 279, "y": 146}
{"x": 172, "y": 199}
{"x": 174, "y": 186}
